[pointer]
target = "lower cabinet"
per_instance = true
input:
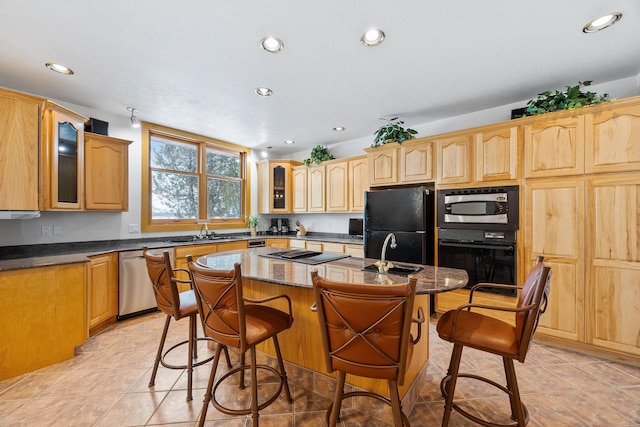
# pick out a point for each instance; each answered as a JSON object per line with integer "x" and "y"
{"x": 278, "y": 243}
{"x": 43, "y": 316}
{"x": 102, "y": 291}
{"x": 196, "y": 251}
{"x": 354, "y": 250}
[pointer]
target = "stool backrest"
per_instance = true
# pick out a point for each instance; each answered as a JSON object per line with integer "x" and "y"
{"x": 220, "y": 303}
{"x": 164, "y": 288}
{"x": 365, "y": 328}
{"x": 533, "y": 296}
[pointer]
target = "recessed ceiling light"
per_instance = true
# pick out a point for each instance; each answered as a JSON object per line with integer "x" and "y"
{"x": 58, "y": 68}
{"x": 288, "y": 141}
{"x": 271, "y": 44}
{"x": 372, "y": 37}
{"x": 602, "y": 22}
{"x": 264, "y": 91}
{"x": 339, "y": 128}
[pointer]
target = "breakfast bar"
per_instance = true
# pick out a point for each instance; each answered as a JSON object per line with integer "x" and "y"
{"x": 301, "y": 345}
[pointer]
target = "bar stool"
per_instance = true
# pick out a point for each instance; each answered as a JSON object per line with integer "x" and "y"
{"x": 366, "y": 331}
{"x": 233, "y": 320}
{"x": 176, "y": 305}
{"x": 464, "y": 327}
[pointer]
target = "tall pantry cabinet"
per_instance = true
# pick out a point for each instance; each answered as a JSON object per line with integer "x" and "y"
{"x": 582, "y": 212}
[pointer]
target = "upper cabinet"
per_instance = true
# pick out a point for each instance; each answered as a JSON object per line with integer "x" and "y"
{"x": 316, "y": 200}
{"x": 19, "y": 146}
{"x": 498, "y": 153}
{"x": 299, "y": 175}
{"x": 455, "y": 155}
{"x": 554, "y": 147}
{"x": 358, "y": 169}
{"x": 611, "y": 140}
{"x": 274, "y": 186}
{"x": 407, "y": 163}
{"x": 106, "y": 173}
{"x": 62, "y": 159}
{"x": 337, "y": 191}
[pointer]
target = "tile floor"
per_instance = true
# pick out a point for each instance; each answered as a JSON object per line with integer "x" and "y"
{"x": 106, "y": 385}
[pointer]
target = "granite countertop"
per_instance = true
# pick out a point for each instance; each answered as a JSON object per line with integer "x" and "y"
{"x": 431, "y": 279}
{"x": 31, "y": 256}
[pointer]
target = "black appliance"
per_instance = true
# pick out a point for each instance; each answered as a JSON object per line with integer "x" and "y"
{"x": 356, "y": 227}
{"x": 279, "y": 226}
{"x": 408, "y": 213}
{"x": 477, "y": 233}
{"x": 486, "y": 208}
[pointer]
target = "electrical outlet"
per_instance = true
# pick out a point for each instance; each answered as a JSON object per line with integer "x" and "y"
{"x": 57, "y": 230}
{"x": 134, "y": 228}
{"x": 46, "y": 230}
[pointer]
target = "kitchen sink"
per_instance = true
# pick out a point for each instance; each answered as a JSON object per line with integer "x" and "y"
{"x": 182, "y": 239}
{"x": 401, "y": 270}
{"x": 188, "y": 239}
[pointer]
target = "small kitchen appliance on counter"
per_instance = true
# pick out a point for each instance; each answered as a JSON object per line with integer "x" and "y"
{"x": 279, "y": 226}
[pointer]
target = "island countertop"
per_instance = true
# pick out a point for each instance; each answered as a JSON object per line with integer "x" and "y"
{"x": 431, "y": 279}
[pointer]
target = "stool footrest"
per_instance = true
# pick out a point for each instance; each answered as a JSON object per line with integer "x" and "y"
{"x": 470, "y": 416}
{"x": 200, "y": 362}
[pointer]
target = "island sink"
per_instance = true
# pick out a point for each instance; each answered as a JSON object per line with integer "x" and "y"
{"x": 401, "y": 270}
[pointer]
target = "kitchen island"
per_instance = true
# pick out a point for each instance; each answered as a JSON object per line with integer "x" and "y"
{"x": 301, "y": 345}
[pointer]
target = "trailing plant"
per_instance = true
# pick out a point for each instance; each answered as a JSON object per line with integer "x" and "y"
{"x": 318, "y": 155}
{"x": 571, "y": 98}
{"x": 392, "y": 132}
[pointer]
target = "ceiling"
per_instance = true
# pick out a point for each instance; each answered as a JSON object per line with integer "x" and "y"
{"x": 195, "y": 64}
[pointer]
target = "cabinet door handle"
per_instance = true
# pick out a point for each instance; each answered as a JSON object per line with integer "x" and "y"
{"x": 313, "y": 307}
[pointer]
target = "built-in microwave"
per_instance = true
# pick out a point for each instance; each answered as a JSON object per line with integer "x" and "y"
{"x": 488, "y": 208}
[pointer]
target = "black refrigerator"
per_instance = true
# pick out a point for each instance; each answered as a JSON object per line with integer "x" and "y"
{"x": 408, "y": 213}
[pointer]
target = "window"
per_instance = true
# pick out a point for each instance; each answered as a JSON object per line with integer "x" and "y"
{"x": 191, "y": 178}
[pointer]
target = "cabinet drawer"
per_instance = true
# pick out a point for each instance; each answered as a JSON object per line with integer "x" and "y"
{"x": 336, "y": 248}
{"x": 297, "y": 244}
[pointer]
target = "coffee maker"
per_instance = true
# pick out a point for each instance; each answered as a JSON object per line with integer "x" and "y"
{"x": 279, "y": 226}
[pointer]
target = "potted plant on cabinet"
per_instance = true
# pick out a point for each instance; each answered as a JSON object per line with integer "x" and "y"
{"x": 573, "y": 97}
{"x": 253, "y": 220}
{"x": 393, "y": 131}
{"x": 318, "y": 155}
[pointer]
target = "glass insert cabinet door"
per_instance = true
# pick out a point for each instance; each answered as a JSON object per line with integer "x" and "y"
{"x": 64, "y": 136}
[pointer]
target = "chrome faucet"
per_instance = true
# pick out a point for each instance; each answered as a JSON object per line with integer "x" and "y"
{"x": 383, "y": 265}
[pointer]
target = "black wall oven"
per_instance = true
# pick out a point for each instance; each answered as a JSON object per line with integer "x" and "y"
{"x": 477, "y": 233}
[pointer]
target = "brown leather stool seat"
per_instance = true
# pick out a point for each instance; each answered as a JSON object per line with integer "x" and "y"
{"x": 366, "y": 331}
{"x": 233, "y": 320}
{"x": 176, "y": 305}
{"x": 464, "y": 327}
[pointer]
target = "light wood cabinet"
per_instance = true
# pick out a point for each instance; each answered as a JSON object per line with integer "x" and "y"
{"x": 297, "y": 244}
{"x": 19, "y": 150}
{"x": 337, "y": 190}
{"x": 62, "y": 159}
{"x": 554, "y": 228}
{"x": 196, "y": 251}
{"x": 454, "y": 159}
{"x": 613, "y": 263}
{"x": 407, "y": 163}
{"x": 611, "y": 140}
{"x": 300, "y": 188}
{"x": 316, "y": 189}
{"x": 554, "y": 147}
{"x": 497, "y": 154}
{"x": 358, "y": 182}
{"x": 416, "y": 162}
{"x": 356, "y": 251}
{"x": 315, "y": 246}
{"x": 274, "y": 186}
{"x": 43, "y": 313}
{"x": 106, "y": 173}
{"x": 278, "y": 243}
{"x": 102, "y": 291}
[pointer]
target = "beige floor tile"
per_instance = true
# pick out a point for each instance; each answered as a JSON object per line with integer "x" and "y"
{"x": 37, "y": 412}
{"x": 85, "y": 410}
{"x": 133, "y": 409}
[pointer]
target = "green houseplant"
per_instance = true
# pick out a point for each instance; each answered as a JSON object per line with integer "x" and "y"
{"x": 318, "y": 155}
{"x": 253, "y": 220}
{"x": 572, "y": 97}
{"x": 392, "y": 132}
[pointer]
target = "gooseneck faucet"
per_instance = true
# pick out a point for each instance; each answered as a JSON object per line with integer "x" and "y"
{"x": 383, "y": 265}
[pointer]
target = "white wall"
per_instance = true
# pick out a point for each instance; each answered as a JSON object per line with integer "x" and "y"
{"x": 88, "y": 226}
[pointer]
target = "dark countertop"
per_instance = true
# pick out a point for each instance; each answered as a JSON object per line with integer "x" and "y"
{"x": 431, "y": 279}
{"x": 31, "y": 256}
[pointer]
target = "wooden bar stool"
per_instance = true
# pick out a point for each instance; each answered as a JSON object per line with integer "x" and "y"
{"x": 366, "y": 331}
{"x": 465, "y": 327}
{"x": 233, "y": 320}
{"x": 176, "y": 305}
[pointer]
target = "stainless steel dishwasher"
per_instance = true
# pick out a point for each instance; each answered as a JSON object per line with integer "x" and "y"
{"x": 135, "y": 291}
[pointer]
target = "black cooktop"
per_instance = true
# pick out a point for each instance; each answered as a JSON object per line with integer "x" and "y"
{"x": 304, "y": 256}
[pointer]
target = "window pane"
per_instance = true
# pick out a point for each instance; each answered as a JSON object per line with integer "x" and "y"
{"x": 224, "y": 198}
{"x": 172, "y": 155}
{"x": 174, "y": 195}
{"x": 223, "y": 164}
